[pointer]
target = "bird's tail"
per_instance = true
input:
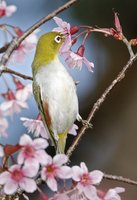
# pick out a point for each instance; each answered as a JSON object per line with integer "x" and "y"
{"x": 61, "y": 143}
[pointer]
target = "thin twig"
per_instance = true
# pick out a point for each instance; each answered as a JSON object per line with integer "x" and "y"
{"x": 99, "y": 102}
{"x": 16, "y": 41}
{"x": 127, "y": 43}
{"x": 120, "y": 179}
{"x": 10, "y": 71}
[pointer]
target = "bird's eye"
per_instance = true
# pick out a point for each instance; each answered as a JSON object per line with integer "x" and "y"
{"x": 58, "y": 39}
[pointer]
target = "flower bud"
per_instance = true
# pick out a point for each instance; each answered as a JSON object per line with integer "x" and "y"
{"x": 133, "y": 42}
{"x": 9, "y": 95}
{"x": 81, "y": 50}
{"x": 18, "y": 31}
{"x": 74, "y": 29}
{"x": 2, "y": 12}
{"x": 18, "y": 84}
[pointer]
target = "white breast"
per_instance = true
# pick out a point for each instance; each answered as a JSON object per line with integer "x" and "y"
{"x": 58, "y": 90}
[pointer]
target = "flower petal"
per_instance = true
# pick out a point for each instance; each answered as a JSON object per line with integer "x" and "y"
{"x": 113, "y": 193}
{"x": 76, "y": 173}
{"x": 29, "y": 170}
{"x": 91, "y": 193}
{"x": 84, "y": 167}
{"x": 40, "y": 143}
{"x": 96, "y": 176}
{"x": 4, "y": 176}
{"x": 73, "y": 129}
{"x": 64, "y": 172}
{"x": 20, "y": 158}
{"x": 10, "y": 187}
{"x": 28, "y": 185}
{"x": 42, "y": 157}
{"x": 52, "y": 183}
{"x": 34, "y": 163}
{"x": 25, "y": 140}
{"x": 10, "y": 9}
{"x": 60, "y": 159}
{"x": 90, "y": 65}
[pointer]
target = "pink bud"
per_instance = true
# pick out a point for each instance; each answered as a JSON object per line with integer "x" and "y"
{"x": 18, "y": 84}
{"x": 9, "y": 95}
{"x": 81, "y": 50}
{"x": 133, "y": 42}
{"x": 74, "y": 29}
{"x": 2, "y": 12}
{"x": 18, "y": 31}
{"x": 117, "y": 23}
{"x": 100, "y": 194}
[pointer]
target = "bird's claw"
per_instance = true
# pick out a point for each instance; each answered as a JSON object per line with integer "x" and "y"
{"x": 86, "y": 123}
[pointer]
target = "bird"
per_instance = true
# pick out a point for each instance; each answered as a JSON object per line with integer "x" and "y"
{"x": 54, "y": 90}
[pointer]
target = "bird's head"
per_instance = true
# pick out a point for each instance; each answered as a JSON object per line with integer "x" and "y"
{"x": 51, "y": 41}
{"x": 47, "y": 48}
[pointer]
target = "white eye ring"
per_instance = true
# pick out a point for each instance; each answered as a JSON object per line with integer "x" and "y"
{"x": 58, "y": 39}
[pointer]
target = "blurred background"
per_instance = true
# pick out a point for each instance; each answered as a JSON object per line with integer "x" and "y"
{"x": 111, "y": 145}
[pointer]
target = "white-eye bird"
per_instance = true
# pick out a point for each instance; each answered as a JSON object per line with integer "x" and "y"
{"x": 54, "y": 89}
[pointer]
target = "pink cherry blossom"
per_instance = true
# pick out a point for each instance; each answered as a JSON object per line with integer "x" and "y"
{"x": 74, "y": 60}
{"x": 35, "y": 126}
{"x": 12, "y": 104}
{"x": 24, "y": 48}
{"x": 32, "y": 152}
{"x": 111, "y": 194}
{"x": 53, "y": 169}
{"x": 18, "y": 177}
{"x": 86, "y": 180}
{"x": 1, "y": 151}
{"x": 6, "y": 10}
{"x": 64, "y": 28}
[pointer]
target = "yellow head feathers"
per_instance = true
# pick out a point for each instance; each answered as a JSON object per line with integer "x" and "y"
{"x": 47, "y": 49}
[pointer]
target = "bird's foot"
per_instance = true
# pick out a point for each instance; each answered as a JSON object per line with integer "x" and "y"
{"x": 84, "y": 122}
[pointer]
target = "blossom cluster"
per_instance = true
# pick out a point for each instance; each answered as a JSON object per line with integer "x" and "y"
{"x": 14, "y": 102}
{"x": 33, "y": 162}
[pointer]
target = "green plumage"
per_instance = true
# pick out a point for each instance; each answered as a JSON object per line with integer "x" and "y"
{"x": 46, "y": 51}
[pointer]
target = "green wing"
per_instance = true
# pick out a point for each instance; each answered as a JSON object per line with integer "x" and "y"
{"x": 37, "y": 95}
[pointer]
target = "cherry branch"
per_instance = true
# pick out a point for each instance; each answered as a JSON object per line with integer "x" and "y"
{"x": 17, "y": 40}
{"x": 120, "y": 179}
{"x": 10, "y": 71}
{"x": 99, "y": 102}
